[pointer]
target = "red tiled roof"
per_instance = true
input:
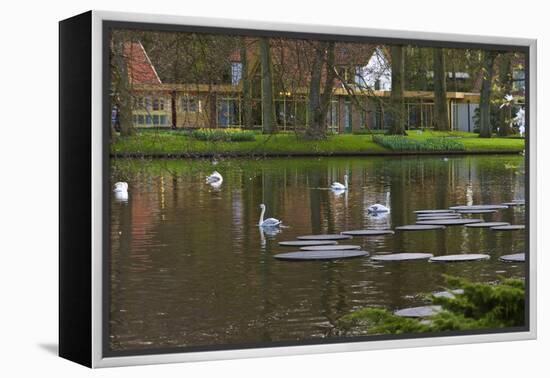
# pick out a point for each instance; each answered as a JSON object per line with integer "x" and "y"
{"x": 140, "y": 68}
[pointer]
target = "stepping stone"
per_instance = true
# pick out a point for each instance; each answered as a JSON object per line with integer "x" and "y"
{"x": 476, "y": 211}
{"x": 402, "y": 257}
{"x": 439, "y": 211}
{"x": 437, "y": 218}
{"x": 510, "y": 227}
{"x": 418, "y": 312}
{"x": 320, "y": 255}
{"x": 448, "y": 294}
{"x": 450, "y": 222}
{"x": 517, "y": 257}
{"x": 460, "y": 258}
{"x": 420, "y": 227}
{"x": 306, "y": 243}
{"x": 487, "y": 224}
{"x": 324, "y": 237}
{"x": 371, "y": 232}
{"x": 479, "y": 207}
{"x": 514, "y": 203}
{"x": 340, "y": 247}
{"x": 453, "y": 214}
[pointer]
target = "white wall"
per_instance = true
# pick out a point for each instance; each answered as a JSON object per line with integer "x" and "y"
{"x": 29, "y": 187}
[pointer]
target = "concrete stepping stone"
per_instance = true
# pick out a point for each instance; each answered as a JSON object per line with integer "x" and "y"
{"x": 437, "y": 218}
{"x": 487, "y": 224}
{"x": 320, "y": 255}
{"x": 460, "y": 258}
{"x": 438, "y": 211}
{"x": 450, "y": 222}
{"x": 478, "y": 207}
{"x": 306, "y": 243}
{"x": 510, "y": 227}
{"x": 516, "y": 257}
{"x": 339, "y": 247}
{"x": 448, "y": 294}
{"x": 479, "y": 211}
{"x": 368, "y": 232}
{"x": 418, "y": 312}
{"x": 514, "y": 203}
{"x": 402, "y": 257}
{"x": 324, "y": 237}
{"x": 420, "y": 227}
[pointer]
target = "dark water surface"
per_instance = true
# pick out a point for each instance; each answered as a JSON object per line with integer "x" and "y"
{"x": 190, "y": 267}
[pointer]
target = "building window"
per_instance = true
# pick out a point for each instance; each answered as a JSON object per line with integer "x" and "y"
{"x": 228, "y": 112}
{"x": 518, "y": 80}
{"x": 158, "y": 104}
{"x": 190, "y": 104}
{"x": 236, "y": 73}
{"x": 163, "y": 120}
{"x": 333, "y": 116}
{"x": 141, "y": 119}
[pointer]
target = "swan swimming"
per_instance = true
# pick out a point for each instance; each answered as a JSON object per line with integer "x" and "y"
{"x": 337, "y": 186}
{"x": 121, "y": 187}
{"x": 377, "y": 208}
{"x": 214, "y": 178}
{"x": 269, "y": 222}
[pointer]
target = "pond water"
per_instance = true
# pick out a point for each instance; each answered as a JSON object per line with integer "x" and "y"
{"x": 190, "y": 267}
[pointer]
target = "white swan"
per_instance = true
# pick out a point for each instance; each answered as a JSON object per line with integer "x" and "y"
{"x": 337, "y": 186}
{"x": 214, "y": 178}
{"x": 377, "y": 208}
{"x": 269, "y": 222}
{"x": 121, "y": 187}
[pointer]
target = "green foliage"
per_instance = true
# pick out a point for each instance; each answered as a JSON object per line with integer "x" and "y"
{"x": 223, "y": 135}
{"x": 402, "y": 143}
{"x": 481, "y": 306}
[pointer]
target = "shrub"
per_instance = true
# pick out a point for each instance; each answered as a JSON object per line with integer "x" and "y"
{"x": 402, "y": 143}
{"x": 223, "y": 135}
{"x": 481, "y": 306}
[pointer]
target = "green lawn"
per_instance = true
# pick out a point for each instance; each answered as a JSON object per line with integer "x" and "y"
{"x": 167, "y": 142}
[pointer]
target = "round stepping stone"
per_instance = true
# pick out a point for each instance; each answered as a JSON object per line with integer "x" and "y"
{"x": 513, "y": 203}
{"x": 324, "y": 237}
{"x": 439, "y": 211}
{"x": 479, "y": 211}
{"x": 510, "y": 227}
{"x": 450, "y": 214}
{"x": 372, "y": 232}
{"x": 340, "y": 247}
{"x": 402, "y": 256}
{"x": 479, "y": 207}
{"x": 420, "y": 227}
{"x": 320, "y": 255}
{"x": 306, "y": 243}
{"x": 418, "y": 312}
{"x": 460, "y": 258}
{"x": 487, "y": 224}
{"x": 448, "y": 294}
{"x": 450, "y": 222}
{"x": 437, "y": 218}
{"x": 517, "y": 257}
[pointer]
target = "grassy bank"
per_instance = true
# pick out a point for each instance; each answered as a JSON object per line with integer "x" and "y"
{"x": 174, "y": 143}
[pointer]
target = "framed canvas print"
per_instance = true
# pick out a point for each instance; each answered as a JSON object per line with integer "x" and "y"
{"x": 251, "y": 189}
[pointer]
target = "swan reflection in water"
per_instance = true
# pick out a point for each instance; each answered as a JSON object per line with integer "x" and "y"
{"x": 270, "y": 232}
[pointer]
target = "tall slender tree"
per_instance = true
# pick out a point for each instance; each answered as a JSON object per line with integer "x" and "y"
{"x": 505, "y": 84}
{"x": 245, "y": 83}
{"x": 485, "y": 95}
{"x": 122, "y": 95}
{"x": 267, "y": 87}
{"x": 397, "y": 97}
{"x": 440, "y": 90}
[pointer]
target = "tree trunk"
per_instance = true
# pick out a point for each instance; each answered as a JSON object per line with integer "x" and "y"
{"x": 319, "y": 102}
{"x": 173, "y": 98}
{"x": 267, "y": 87}
{"x": 505, "y": 80}
{"x": 485, "y": 95}
{"x": 245, "y": 81}
{"x": 122, "y": 93}
{"x": 397, "y": 99}
{"x": 315, "y": 131}
{"x": 440, "y": 91}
